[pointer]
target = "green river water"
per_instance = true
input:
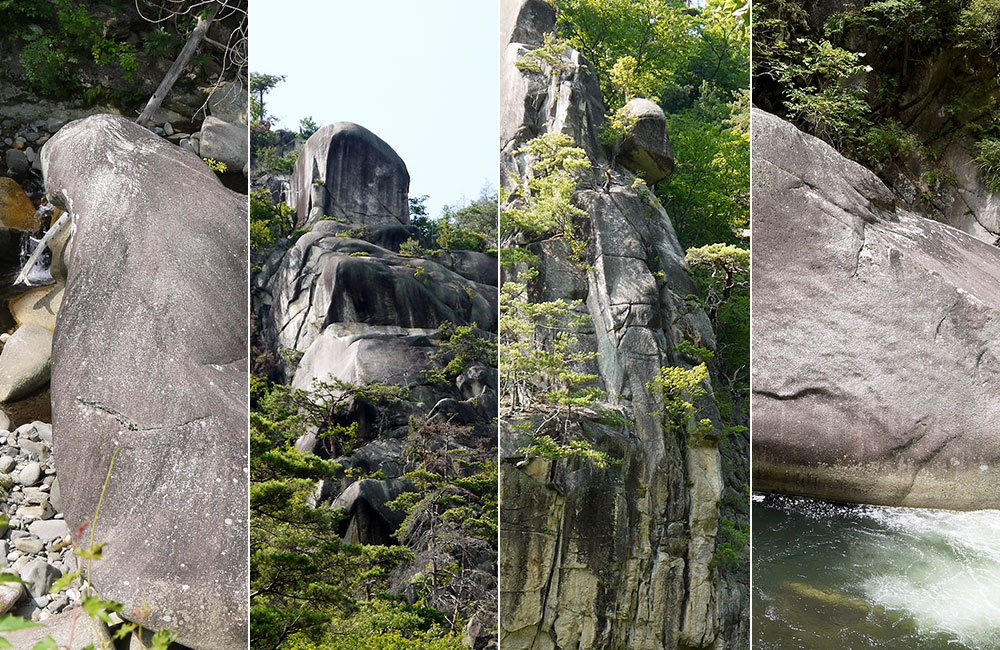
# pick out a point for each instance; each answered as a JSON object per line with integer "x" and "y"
{"x": 831, "y": 576}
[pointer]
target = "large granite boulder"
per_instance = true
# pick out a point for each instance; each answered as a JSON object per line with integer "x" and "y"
{"x": 876, "y": 338}
{"x": 150, "y": 360}
{"x": 646, "y": 148}
{"x": 347, "y": 172}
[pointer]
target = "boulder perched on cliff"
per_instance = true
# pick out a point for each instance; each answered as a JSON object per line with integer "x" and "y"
{"x": 646, "y": 148}
{"x": 347, "y": 172}
{"x": 150, "y": 359}
{"x": 876, "y": 338}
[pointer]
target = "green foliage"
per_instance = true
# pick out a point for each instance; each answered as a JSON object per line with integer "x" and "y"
{"x": 543, "y": 205}
{"x": 679, "y": 387}
{"x": 307, "y": 126}
{"x": 708, "y": 195}
{"x": 215, "y": 165}
{"x": 160, "y": 42}
{"x": 261, "y": 85}
{"x": 540, "y": 363}
{"x": 268, "y": 222}
{"x": 544, "y": 446}
{"x": 302, "y": 574}
{"x": 700, "y": 354}
{"x": 268, "y": 159}
{"x": 461, "y": 348}
{"x": 549, "y": 55}
{"x": 732, "y": 544}
{"x": 988, "y": 158}
{"x": 886, "y": 141}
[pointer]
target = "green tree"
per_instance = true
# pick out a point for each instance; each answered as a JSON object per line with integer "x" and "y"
{"x": 261, "y": 85}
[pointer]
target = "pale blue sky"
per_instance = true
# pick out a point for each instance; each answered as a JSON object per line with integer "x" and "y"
{"x": 420, "y": 74}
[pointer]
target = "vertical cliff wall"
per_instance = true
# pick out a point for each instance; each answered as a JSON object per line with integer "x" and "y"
{"x": 619, "y": 556}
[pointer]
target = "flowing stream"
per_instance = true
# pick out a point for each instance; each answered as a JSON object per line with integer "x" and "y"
{"x": 830, "y": 576}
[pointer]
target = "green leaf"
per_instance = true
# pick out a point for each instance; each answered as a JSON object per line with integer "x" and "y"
{"x": 95, "y": 552}
{"x": 64, "y": 581}
{"x": 10, "y": 577}
{"x": 4, "y": 643}
{"x": 94, "y": 606}
{"x": 162, "y": 639}
{"x": 124, "y": 631}
{"x": 10, "y": 623}
{"x": 48, "y": 643}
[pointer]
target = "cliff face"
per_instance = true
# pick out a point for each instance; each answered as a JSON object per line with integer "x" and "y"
{"x": 343, "y": 303}
{"x": 619, "y": 556}
{"x": 863, "y": 313}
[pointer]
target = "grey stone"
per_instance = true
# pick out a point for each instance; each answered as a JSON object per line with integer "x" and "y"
{"x": 30, "y": 474}
{"x": 64, "y": 628}
{"x": 39, "y": 575}
{"x": 862, "y": 311}
{"x": 7, "y": 463}
{"x": 168, "y": 129}
{"x": 646, "y": 148}
{"x": 17, "y": 163}
{"x": 229, "y": 103}
{"x": 25, "y": 362}
{"x": 142, "y": 211}
{"x": 53, "y": 124}
{"x": 346, "y": 171}
{"x": 224, "y": 142}
{"x": 30, "y": 545}
{"x": 43, "y": 430}
{"x": 10, "y": 593}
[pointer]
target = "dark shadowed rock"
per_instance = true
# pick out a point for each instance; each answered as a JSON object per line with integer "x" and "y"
{"x": 346, "y": 171}
{"x": 646, "y": 149}
{"x": 876, "y": 338}
{"x": 372, "y": 521}
{"x": 150, "y": 357}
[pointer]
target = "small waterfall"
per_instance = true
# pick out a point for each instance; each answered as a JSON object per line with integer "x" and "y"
{"x": 39, "y": 274}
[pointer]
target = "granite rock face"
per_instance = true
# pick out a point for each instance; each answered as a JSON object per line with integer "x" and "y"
{"x": 876, "y": 337}
{"x": 347, "y": 172}
{"x": 150, "y": 359}
{"x": 615, "y": 557}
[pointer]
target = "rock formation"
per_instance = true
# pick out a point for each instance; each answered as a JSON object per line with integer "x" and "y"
{"x": 346, "y": 172}
{"x": 149, "y": 358}
{"x": 616, "y": 557}
{"x": 342, "y": 303}
{"x": 876, "y": 354}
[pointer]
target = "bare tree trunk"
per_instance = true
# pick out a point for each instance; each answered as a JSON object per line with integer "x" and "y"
{"x": 204, "y": 22}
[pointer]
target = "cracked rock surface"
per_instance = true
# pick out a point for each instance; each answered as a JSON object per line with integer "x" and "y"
{"x": 876, "y": 338}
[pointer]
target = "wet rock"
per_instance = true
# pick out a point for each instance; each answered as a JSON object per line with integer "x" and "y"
{"x": 24, "y": 362}
{"x": 16, "y": 209}
{"x": 862, "y": 311}
{"x": 149, "y": 261}
{"x": 17, "y": 163}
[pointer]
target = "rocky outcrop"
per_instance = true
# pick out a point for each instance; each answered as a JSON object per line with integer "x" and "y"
{"x": 617, "y": 556}
{"x": 149, "y": 361}
{"x": 862, "y": 314}
{"x": 347, "y": 172}
{"x": 342, "y": 303}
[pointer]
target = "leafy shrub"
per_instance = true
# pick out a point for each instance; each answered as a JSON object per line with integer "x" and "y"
{"x": 988, "y": 158}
